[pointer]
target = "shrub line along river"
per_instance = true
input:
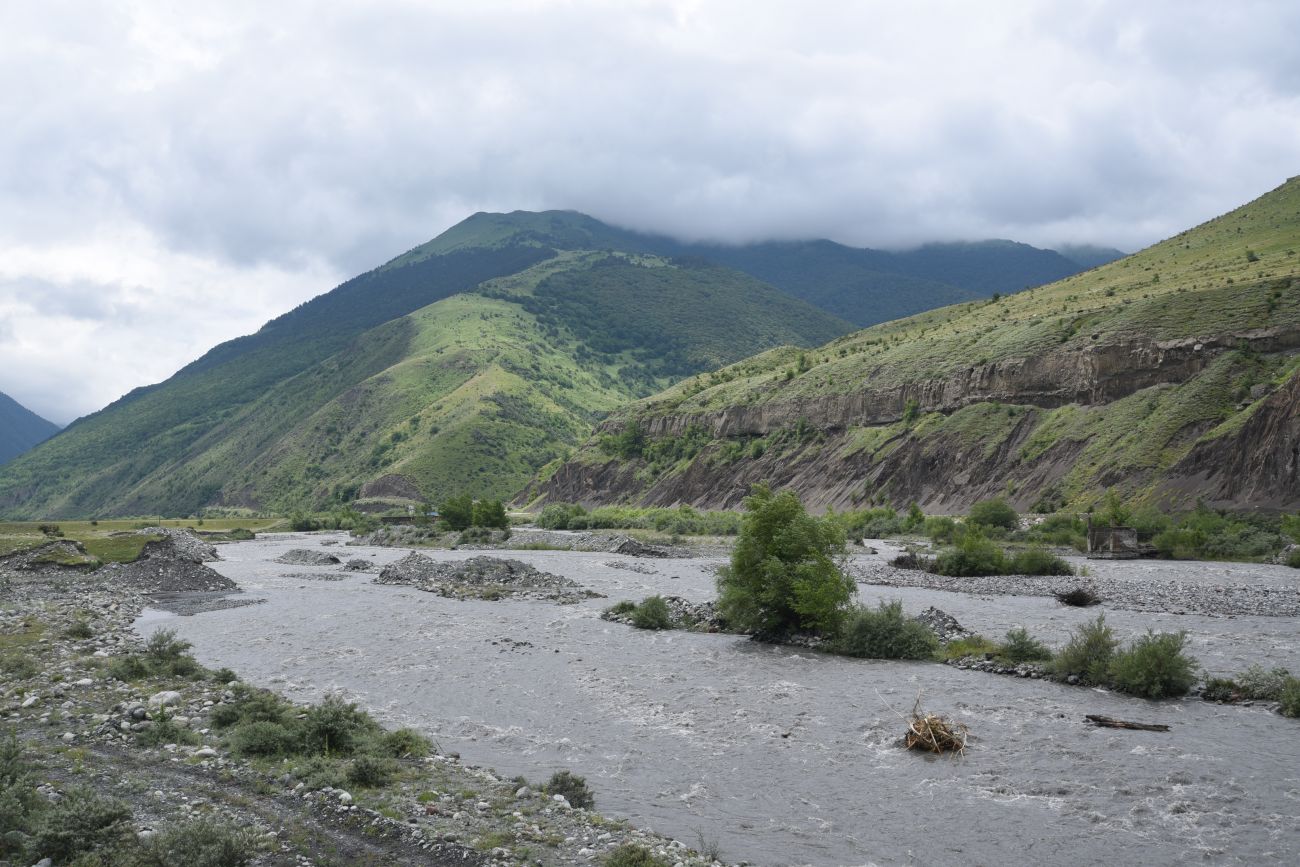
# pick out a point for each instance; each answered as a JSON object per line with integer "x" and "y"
{"x": 781, "y": 756}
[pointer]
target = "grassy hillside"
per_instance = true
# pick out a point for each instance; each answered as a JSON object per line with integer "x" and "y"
{"x": 476, "y": 391}
{"x": 20, "y": 428}
{"x": 1108, "y": 377}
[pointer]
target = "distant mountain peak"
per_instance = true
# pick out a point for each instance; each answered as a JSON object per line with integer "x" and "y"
{"x": 20, "y": 428}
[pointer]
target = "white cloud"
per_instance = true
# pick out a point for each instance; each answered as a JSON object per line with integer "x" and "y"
{"x": 287, "y": 144}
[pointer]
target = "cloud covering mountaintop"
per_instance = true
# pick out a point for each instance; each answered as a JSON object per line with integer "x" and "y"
{"x": 173, "y": 176}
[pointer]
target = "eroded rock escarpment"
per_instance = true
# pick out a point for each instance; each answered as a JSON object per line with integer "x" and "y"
{"x": 1170, "y": 417}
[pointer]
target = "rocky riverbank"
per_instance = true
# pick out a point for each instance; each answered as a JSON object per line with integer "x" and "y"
{"x": 1172, "y": 596}
{"x": 89, "y": 715}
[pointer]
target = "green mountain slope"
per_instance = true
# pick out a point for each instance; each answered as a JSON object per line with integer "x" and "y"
{"x": 861, "y": 285}
{"x": 20, "y": 428}
{"x": 477, "y": 389}
{"x": 1136, "y": 374}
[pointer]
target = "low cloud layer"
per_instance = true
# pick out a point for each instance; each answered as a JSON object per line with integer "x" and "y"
{"x": 172, "y": 179}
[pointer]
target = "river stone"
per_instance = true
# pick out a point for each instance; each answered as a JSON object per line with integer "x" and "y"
{"x": 165, "y": 698}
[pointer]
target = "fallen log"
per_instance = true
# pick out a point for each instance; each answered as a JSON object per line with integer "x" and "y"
{"x": 1108, "y": 722}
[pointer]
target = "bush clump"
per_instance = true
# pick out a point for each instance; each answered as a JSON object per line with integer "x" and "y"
{"x": 80, "y": 629}
{"x": 404, "y": 743}
{"x": 884, "y": 633}
{"x": 1263, "y": 684}
{"x": 994, "y": 513}
{"x": 1154, "y": 666}
{"x": 971, "y": 645}
{"x": 263, "y": 738}
{"x": 335, "y": 726}
{"x": 1088, "y": 654}
{"x": 1020, "y": 647}
{"x": 785, "y": 573}
{"x": 19, "y": 666}
{"x": 80, "y": 822}
{"x": 164, "y": 730}
{"x": 632, "y": 855}
{"x": 1036, "y": 561}
{"x": 371, "y": 771}
{"x": 973, "y": 556}
{"x": 197, "y": 843}
{"x": 572, "y": 787}
{"x": 1289, "y": 697}
{"x": 652, "y": 613}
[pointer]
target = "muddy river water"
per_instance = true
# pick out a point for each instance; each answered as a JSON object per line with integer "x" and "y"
{"x": 780, "y": 756}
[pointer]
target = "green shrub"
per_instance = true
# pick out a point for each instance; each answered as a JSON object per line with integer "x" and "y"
{"x": 251, "y": 705}
{"x": 1088, "y": 654}
{"x": 19, "y": 666}
{"x": 263, "y": 738}
{"x": 458, "y": 512}
{"x": 79, "y": 630}
{"x": 163, "y": 648}
{"x": 301, "y": 523}
{"x": 403, "y": 743}
{"x": 652, "y": 613}
{"x": 632, "y": 855}
{"x": 80, "y": 822}
{"x": 1263, "y": 684}
{"x": 627, "y": 606}
{"x": 784, "y": 575}
{"x": 971, "y": 645}
{"x": 884, "y": 633}
{"x": 1154, "y": 666}
{"x": 994, "y": 513}
{"x": 223, "y": 675}
{"x": 1222, "y": 689}
{"x": 334, "y": 727}
{"x": 371, "y": 771}
{"x": 128, "y": 667}
{"x": 942, "y": 530}
{"x": 573, "y": 788}
{"x": 1020, "y": 646}
{"x": 163, "y": 730}
{"x": 1036, "y": 561}
{"x": 490, "y": 513}
{"x": 1289, "y": 697}
{"x": 974, "y": 555}
{"x": 1293, "y": 559}
{"x": 197, "y": 843}
{"x": 317, "y": 772}
{"x": 556, "y": 516}
{"x": 20, "y": 801}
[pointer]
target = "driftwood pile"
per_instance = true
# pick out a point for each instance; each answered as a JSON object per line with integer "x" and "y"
{"x": 934, "y": 733}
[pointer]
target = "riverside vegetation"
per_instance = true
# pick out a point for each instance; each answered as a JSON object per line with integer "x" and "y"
{"x": 785, "y": 583}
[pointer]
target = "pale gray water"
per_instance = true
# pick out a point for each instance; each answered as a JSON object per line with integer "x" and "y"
{"x": 683, "y": 733}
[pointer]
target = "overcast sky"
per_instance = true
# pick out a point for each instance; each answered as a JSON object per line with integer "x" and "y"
{"x": 173, "y": 174}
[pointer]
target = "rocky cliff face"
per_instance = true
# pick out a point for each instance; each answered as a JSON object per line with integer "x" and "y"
{"x": 945, "y": 466}
{"x": 1093, "y": 375}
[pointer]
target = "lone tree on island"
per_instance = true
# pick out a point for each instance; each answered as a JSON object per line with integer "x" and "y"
{"x": 785, "y": 573}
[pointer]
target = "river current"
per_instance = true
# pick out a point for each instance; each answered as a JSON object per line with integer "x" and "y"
{"x": 776, "y": 755}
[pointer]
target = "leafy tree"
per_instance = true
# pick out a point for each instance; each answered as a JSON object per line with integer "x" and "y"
{"x": 1113, "y": 511}
{"x": 490, "y": 513}
{"x": 995, "y": 513}
{"x": 785, "y": 569}
{"x": 458, "y": 512}
{"x": 628, "y": 443}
